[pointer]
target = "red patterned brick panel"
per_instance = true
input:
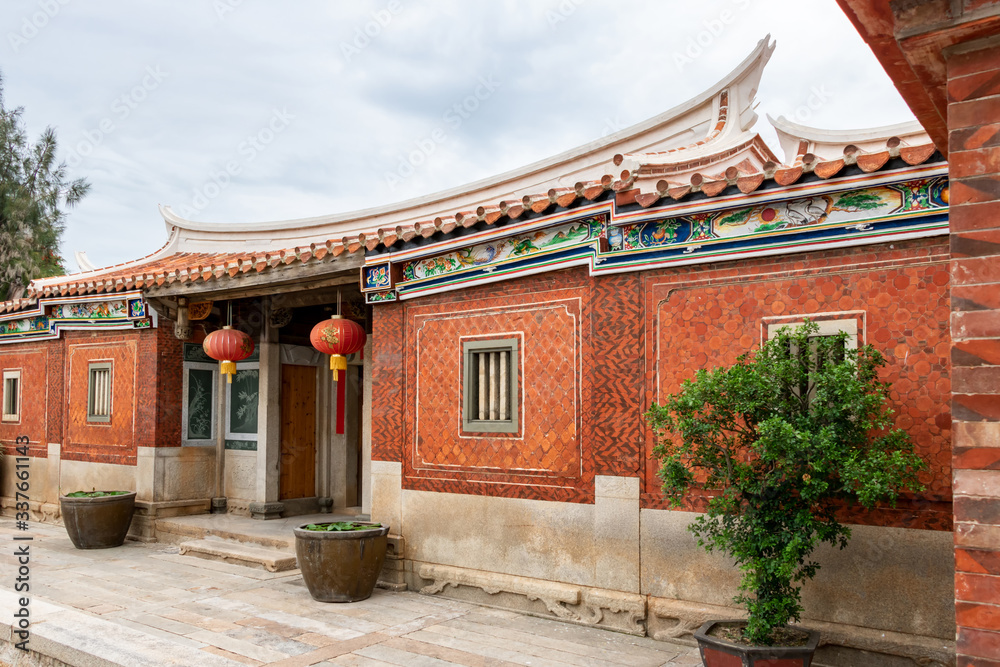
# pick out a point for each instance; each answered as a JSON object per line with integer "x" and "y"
{"x": 548, "y": 460}
{"x": 388, "y": 346}
{"x": 113, "y": 442}
{"x": 976, "y": 407}
{"x": 611, "y": 424}
{"x": 32, "y": 362}
{"x": 57, "y": 398}
{"x": 147, "y": 385}
{"x": 169, "y": 364}
{"x": 978, "y": 616}
{"x": 983, "y": 511}
{"x": 973, "y": 217}
{"x": 706, "y": 316}
{"x": 977, "y": 561}
{"x": 966, "y": 661}
{"x": 976, "y": 588}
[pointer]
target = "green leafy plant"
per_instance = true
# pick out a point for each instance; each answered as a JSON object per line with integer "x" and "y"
{"x": 777, "y": 442}
{"x": 341, "y": 526}
{"x": 95, "y": 494}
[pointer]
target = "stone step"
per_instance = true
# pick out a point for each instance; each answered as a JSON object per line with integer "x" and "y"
{"x": 240, "y": 553}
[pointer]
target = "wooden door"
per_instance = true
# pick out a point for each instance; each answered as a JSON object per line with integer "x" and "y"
{"x": 298, "y": 432}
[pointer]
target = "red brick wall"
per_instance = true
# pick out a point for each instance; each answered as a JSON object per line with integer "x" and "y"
{"x": 705, "y": 316}
{"x": 146, "y": 395}
{"x": 33, "y": 362}
{"x": 114, "y": 441}
{"x": 644, "y": 332}
{"x": 974, "y": 165}
{"x": 387, "y": 382}
{"x": 169, "y": 363}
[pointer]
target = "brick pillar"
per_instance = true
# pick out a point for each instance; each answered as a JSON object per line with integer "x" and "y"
{"x": 974, "y": 163}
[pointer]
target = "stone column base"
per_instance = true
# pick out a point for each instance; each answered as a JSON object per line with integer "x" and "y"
{"x": 219, "y": 505}
{"x": 143, "y": 527}
{"x": 325, "y": 505}
{"x": 393, "y": 575}
{"x": 266, "y": 510}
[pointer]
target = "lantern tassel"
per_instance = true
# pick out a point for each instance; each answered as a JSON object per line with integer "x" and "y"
{"x": 227, "y": 368}
{"x": 337, "y": 363}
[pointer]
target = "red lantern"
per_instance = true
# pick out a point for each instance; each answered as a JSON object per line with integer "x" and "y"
{"x": 338, "y": 337}
{"x": 228, "y": 345}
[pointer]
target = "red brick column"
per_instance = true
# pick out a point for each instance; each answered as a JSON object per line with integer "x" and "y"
{"x": 388, "y": 346}
{"x": 974, "y": 159}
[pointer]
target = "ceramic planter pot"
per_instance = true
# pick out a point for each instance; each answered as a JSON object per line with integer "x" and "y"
{"x": 341, "y": 566}
{"x": 97, "y": 523}
{"x": 717, "y": 652}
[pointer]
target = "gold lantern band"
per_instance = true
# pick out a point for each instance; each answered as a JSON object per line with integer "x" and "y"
{"x": 337, "y": 363}
{"x": 227, "y": 368}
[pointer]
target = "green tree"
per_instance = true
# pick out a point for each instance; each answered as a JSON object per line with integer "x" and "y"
{"x": 777, "y": 442}
{"x": 34, "y": 191}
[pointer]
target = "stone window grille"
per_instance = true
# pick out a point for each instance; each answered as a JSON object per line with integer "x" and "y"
{"x": 12, "y": 396}
{"x": 490, "y": 374}
{"x": 99, "y": 392}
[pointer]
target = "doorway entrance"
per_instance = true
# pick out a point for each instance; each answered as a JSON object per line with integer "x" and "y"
{"x": 298, "y": 432}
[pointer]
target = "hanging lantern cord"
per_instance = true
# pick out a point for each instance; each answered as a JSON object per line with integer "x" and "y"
{"x": 228, "y": 368}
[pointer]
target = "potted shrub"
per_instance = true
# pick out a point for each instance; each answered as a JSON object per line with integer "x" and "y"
{"x": 341, "y": 560}
{"x": 776, "y": 443}
{"x": 97, "y": 519}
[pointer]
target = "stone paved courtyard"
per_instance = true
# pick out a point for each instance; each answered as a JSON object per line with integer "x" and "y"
{"x": 145, "y": 604}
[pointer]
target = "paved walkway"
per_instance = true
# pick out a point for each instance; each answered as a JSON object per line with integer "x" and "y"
{"x": 142, "y": 605}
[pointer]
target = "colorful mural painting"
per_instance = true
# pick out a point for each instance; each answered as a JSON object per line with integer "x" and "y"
{"x": 24, "y": 326}
{"x": 852, "y": 206}
{"x": 47, "y": 318}
{"x": 514, "y": 247}
{"x": 92, "y": 310}
{"x": 377, "y": 277}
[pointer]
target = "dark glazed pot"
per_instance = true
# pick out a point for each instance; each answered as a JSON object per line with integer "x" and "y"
{"x": 341, "y": 566}
{"x": 717, "y": 652}
{"x": 97, "y": 523}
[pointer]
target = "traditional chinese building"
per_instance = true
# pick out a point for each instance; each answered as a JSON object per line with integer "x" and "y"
{"x": 520, "y": 326}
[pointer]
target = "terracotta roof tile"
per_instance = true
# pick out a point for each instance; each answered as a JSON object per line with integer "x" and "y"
{"x": 749, "y": 183}
{"x": 869, "y": 162}
{"x": 788, "y": 175}
{"x": 713, "y": 188}
{"x": 828, "y": 169}
{"x": 914, "y": 155}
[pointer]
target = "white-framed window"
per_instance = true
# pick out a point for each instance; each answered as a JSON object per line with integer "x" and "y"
{"x": 490, "y": 370}
{"x": 828, "y": 327}
{"x": 242, "y": 402}
{"x": 12, "y": 396}
{"x": 200, "y": 388}
{"x": 100, "y": 385}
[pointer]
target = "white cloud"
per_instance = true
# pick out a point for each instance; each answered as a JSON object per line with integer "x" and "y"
{"x": 567, "y": 68}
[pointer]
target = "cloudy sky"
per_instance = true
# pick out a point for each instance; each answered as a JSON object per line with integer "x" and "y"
{"x": 313, "y": 104}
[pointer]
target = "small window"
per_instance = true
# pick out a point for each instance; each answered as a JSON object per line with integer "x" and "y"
{"x": 490, "y": 372}
{"x": 12, "y": 396}
{"x": 99, "y": 393}
{"x": 826, "y": 328}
